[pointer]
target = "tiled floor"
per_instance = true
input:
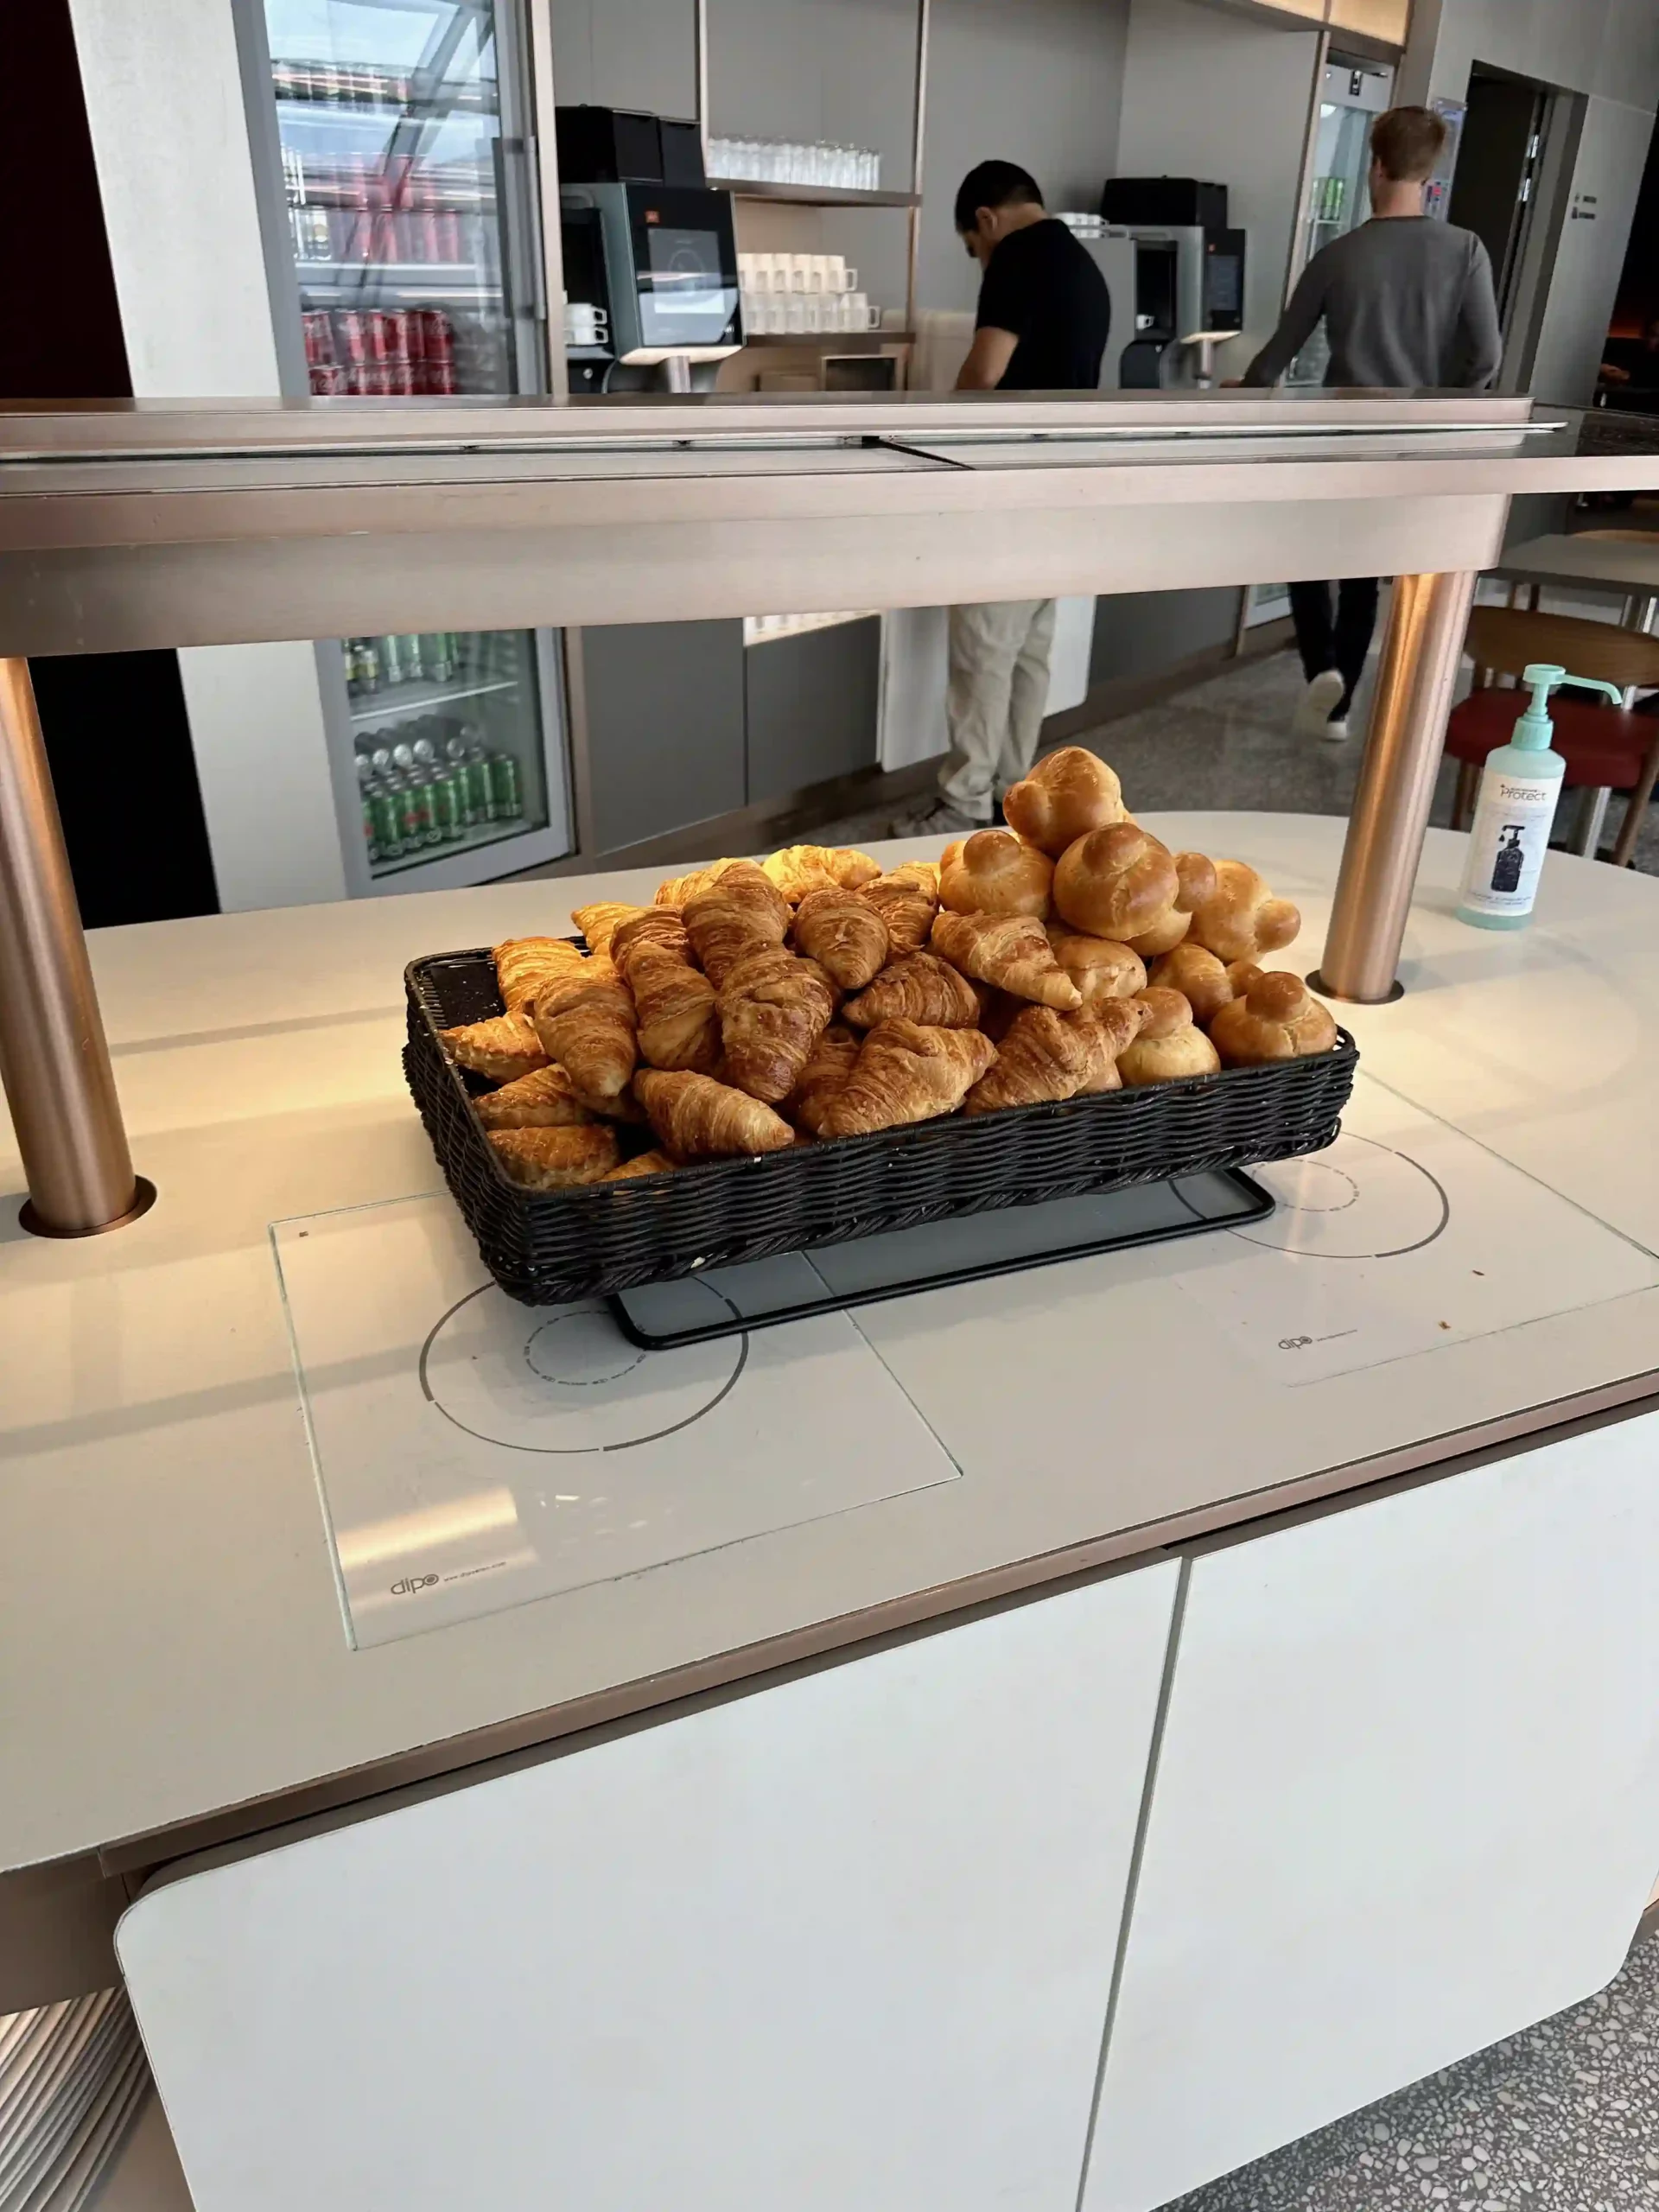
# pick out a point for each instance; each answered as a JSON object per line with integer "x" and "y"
{"x": 1562, "y": 2118}
{"x": 1227, "y": 743}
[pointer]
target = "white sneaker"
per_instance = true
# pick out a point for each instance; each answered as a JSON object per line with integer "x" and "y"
{"x": 1334, "y": 733}
{"x": 936, "y": 817}
{"x": 1313, "y": 711}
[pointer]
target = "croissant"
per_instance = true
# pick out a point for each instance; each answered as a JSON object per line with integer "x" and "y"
{"x": 1112, "y": 1028}
{"x": 598, "y": 923}
{"x": 1065, "y": 796}
{"x": 696, "y": 1118}
{"x": 828, "y": 1065}
{"x": 774, "y": 1008}
{"x": 546, "y": 1100}
{"x": 525, "y": 964}
{"x": 1044, "y": 1055}
{"x": 674, "y": 1008}
{"x": 907, "y": 1071}
{"x": 994, "y": 872}
{"x": 1278, "y": 1018}
{"x": 586, "y": 1022}
{"x": 658, "y": 927}
{"x": 678, "y": 888}
{"x": 906, "y": 900}
{"x": 1101, "y": 968}
{"x": 1168, "y": 1045}
{"x": 504, "y": 1048}
{"x": 552, "y": 1160}
{"x": 1012, "y": 951}
{"x": 1240, "y": 919}
{"x": 1201, "y": 979}
{"x": 919, "y": 987}
{"x": 1195, "y": 879}
{"x": 799, "y": 869}
{"x": 741, "y": 913}
{"x": 643, "y": 1163}
{"x": 844, "y": 934}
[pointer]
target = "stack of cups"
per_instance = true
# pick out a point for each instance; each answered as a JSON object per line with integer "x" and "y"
{"x": 802, "y": 295}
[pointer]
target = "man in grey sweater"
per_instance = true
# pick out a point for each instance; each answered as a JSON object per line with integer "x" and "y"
{"x": 1407, "y": 301}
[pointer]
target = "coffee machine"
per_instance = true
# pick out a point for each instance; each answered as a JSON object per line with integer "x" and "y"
{"x": 1187, "y": 280}
{"x": 650, "y": 254}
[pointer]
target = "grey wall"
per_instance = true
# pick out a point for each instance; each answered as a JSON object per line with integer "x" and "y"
{"x": 1143, "y": 633}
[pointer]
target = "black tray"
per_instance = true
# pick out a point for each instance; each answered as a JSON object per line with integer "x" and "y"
{"x": 546, "y": 1248}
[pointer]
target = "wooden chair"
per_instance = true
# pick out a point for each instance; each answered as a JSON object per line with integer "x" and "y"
{"x": 1606, "y": 749}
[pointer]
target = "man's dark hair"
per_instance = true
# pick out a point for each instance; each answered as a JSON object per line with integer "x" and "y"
{"x": 995, "y": 184}
{"x": 1407, "y": 142}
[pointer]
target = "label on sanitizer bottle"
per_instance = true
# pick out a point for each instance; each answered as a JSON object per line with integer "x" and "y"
{"x": 1508, "y": 843}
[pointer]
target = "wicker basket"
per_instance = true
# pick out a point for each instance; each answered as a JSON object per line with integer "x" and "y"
{"x": 546, "y": 1247}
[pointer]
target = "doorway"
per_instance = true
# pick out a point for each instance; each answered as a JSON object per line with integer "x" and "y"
{"x": 1496, "y": 188}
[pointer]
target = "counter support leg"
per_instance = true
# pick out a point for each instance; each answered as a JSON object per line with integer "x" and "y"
{"x": 1415, "y": 686}
{"x": 54, "y": 1063}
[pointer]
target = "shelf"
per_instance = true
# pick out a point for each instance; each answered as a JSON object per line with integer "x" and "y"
{"x": 834, "y": 341}
{"x": 401, "y": 272}
{"x": 812, "y": 195}
{"x": 482, "y": 833}
{"x": 398, "y": 701}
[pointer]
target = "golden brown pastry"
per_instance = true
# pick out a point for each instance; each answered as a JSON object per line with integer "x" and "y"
{"x": 643, "y": 1163}
{"x": 1065, "y": 796}
{"x": 674, "y": 1010}
{"x": 678, "y": 888}
{"x": 1116, "y": 883}
{"x": 741, "y": 913}
{"x": 659, "y": 926}
{"x": 799, "y": 869}
{"x": 523, "y": 964}
{"x": 553, "y": 1159}
{"x": 907, "y": 1071}
{"x": 1044, "y": 1055}
{"x": 828, "y": 1065}
{"x": 586, "y": 1022}
{"x": 1012, "y": 951}
{"x": 994, "y": 872}
{"x": 696, "y": 1118}
{"x": 1169, "y": 1044}
{"x": 1201, "y": 980}
{"x": 1100, "y": 967}
{"x": 1195, "y": 879}
{"x": 504, "y": 1048}
{"x": 1277, "y": 1018}
{"x": 546, "y": 1100}
{"x": 774, "y": 1008}
{"x": 1240, "y": 919}
{"x": 906, "y": 900}
{"x": 919, "y": 987}
{"x": 1111, "y": 1028}
{"x": 598, "y": 922}
{"x": 844, "y": 934}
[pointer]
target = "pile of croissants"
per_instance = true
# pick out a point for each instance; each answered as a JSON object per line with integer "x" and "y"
{"x": 810, "y": 995}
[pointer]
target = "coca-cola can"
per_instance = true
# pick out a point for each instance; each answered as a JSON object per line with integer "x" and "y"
{"x": 349, "y": 332}
{"x": 379, "y": 334}
{"x": 438, "y": 347}
{"x": 319, "y": 336}
{"x": 327, "y": 380}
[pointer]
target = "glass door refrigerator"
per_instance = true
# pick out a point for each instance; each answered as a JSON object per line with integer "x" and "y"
{"x": 409, "y": 263}
{"x": 1352, "y": 94}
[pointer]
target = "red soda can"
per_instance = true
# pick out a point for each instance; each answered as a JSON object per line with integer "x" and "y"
{"x": 397, "y": 356}
{"x": 353, "y": 341}
{"x": 438, "y": 349}
{"x": 327, "y": 380}
{"x": 319, "y": 337}
{"x": 378, "y": 334}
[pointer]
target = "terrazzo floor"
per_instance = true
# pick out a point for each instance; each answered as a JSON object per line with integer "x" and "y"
{"x": 1227, "y": 743}
{"x": 1561, "y": 2117}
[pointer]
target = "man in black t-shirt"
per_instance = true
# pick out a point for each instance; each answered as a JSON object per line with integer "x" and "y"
{"x": 1042, "y": 324}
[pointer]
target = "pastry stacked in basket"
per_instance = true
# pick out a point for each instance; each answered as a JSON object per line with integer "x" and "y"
{"x": 809, "y": 996}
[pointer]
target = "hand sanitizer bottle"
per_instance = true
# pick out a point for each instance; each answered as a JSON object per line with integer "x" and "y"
{"x": 1519, "y": 787}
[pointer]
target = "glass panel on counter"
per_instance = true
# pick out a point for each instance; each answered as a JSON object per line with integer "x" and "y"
{"x": 394, "y": 171}
{"x": 446, "y": 726}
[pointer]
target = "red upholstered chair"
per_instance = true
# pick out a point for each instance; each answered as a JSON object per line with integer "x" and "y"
{"x": 1606, "y": 749}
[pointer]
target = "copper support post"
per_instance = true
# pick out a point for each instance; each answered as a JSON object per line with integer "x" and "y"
{"x": 1415, "y": 687}
{"x": 53, "y": 1061}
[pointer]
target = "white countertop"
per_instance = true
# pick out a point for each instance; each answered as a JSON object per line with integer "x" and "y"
{"x": 172, "y": 1641}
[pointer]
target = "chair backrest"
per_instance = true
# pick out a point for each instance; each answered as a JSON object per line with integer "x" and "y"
{"x": 1502, "y": 640}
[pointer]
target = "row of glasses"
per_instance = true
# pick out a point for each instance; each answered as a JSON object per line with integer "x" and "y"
{"x": 785, "y": 161}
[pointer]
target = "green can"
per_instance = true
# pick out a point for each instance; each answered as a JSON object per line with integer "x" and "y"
{"x": 412, "y": 813}
{"x": 505, "y": 803}
{"x": 387, "y": 841}
{"x": 449, "y": 803}
{"x": 480, "y": 805}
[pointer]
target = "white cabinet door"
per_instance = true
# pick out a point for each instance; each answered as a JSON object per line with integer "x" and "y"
{"x": 1406, "y": 1802}
{"x": 842, "y": 1943}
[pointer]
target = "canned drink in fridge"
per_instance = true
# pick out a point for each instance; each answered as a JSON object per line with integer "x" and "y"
{"x": 371, "y": 833}
{"x": 386, "y": 814}
{"x": 505, "y": 804}
{"x": 392, "y": 659}
{"x": 414, "y": 812}
{"x": 435, "y": 664}
{"x": 480, "y": 805}
{"x": 449, "y": 803}
{"x": 368, "y": 665}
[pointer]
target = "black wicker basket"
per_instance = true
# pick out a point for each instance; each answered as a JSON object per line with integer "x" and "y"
{"x": 548, "y": 1247}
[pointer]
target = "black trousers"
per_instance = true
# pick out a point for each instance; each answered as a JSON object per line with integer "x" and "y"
{"x": 1342, "y": 644}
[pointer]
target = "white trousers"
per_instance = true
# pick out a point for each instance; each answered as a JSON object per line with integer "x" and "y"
{"x": 998, "y": 690}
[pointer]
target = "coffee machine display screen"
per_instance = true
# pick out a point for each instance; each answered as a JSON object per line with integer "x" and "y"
{"x": 684, "y": 297}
